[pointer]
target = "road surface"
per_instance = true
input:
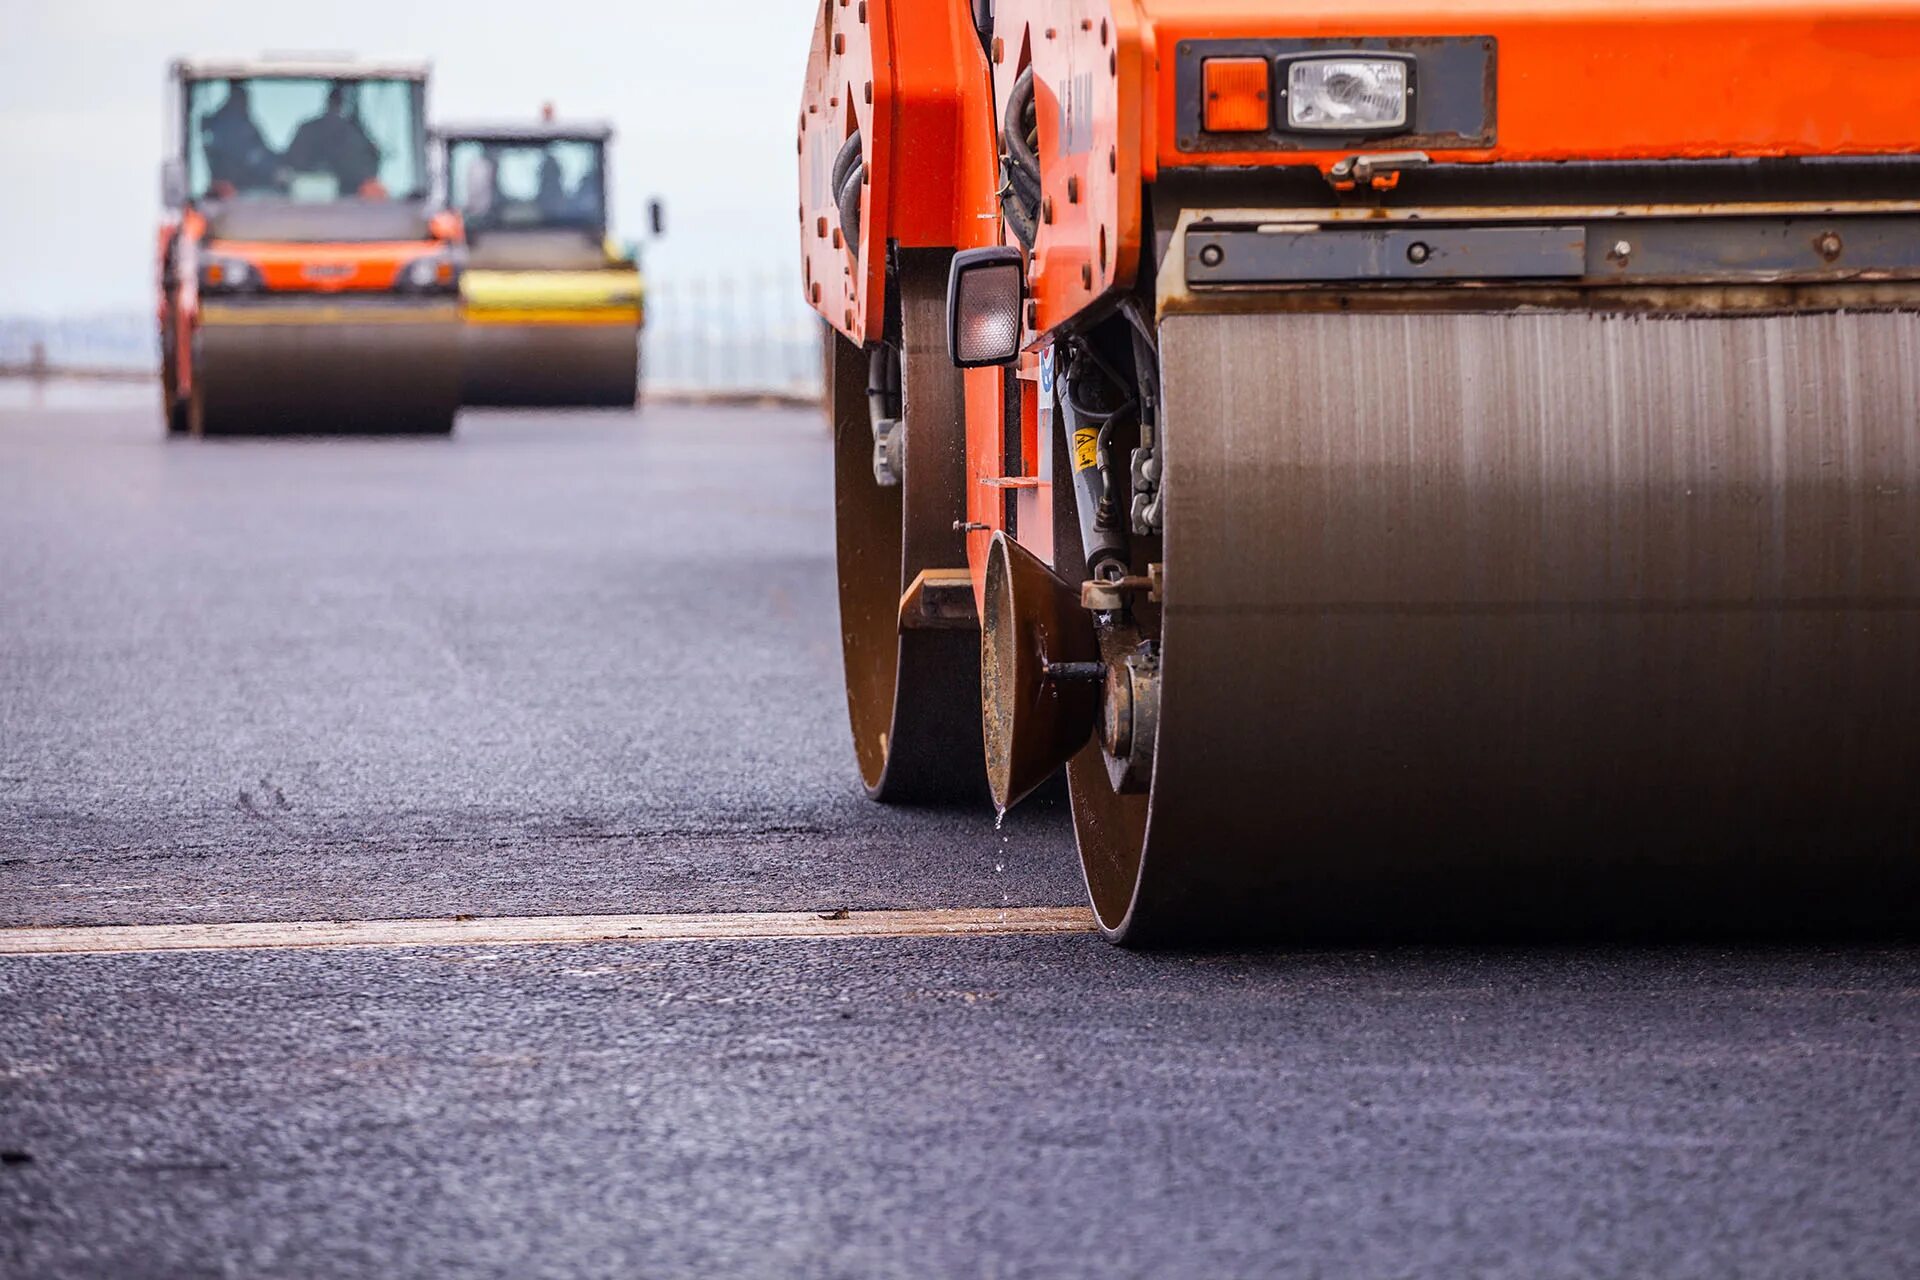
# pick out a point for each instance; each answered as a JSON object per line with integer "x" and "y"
{"x": 566, "y": 667}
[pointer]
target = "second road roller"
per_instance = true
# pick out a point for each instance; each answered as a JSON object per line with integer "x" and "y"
{"x": 1423, "y": 470}
{"x": 553, "y": 306}
{"x": 308, "y": 280}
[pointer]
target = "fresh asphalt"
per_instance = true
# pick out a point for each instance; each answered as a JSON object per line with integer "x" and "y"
{"x": 566, "y": 664}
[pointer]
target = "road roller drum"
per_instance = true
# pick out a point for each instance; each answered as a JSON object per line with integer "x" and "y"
{"x": 909, "y": 636}
{"x": 1581, "y": 621}
{"x": 323, "y": 367}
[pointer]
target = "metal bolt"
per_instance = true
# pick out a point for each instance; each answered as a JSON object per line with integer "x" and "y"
{"x": 1418, "y": 253}
{"x": 1210, "y": 255}
{"x": 1829, "y": 246}
{"x": 1621, "y": 251}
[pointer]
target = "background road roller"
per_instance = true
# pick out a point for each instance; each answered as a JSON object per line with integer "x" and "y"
{"x": 307, "y": 283}
{"x": 553, "y": 307}
{"x": 1424, "y": 470}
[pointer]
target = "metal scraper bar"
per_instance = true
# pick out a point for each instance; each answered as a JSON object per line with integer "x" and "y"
{"x": 1290, "y": 256}
{"x": 1611, "y": 250}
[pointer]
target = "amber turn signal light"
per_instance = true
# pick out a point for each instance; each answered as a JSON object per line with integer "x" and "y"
{"x": 1238, "y": 94}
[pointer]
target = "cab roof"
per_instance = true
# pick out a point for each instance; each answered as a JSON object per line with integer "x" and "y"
{"x": 530, "y": 131}
{"x": 304, "y": 66}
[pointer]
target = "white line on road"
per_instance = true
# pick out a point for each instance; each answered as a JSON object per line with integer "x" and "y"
{"x": 506, "y": 931}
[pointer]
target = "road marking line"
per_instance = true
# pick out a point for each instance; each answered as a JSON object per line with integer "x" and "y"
{"x": 503, "y": 931}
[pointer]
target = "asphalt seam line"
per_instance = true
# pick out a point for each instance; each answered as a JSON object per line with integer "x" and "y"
{"x": 510, "y": 931}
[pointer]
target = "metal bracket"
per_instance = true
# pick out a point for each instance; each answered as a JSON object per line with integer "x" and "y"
{"x": 1107, "y": 595}
{"x": 939, "y": 600}
{"x": 1380, "y": 170}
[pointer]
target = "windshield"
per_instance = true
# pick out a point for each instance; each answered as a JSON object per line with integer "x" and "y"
{"x": 530, "y": 184}
{"x": 307, "y": 140}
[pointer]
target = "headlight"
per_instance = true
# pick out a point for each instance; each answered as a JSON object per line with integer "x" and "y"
{"x": 985, "y": 288}
{"x": 1348, "y": 94}
{"x": 434, "y": 271}
{"x": 223, "y": 275}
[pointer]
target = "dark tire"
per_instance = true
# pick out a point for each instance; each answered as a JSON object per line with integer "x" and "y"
{"x": 173, "y": 409}
{"x": 913, "y": 695}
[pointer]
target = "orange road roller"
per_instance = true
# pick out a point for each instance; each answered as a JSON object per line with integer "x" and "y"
{"x": 1424, "y": 470}
{"x": 307, "y": 280}
{"x": 553, "y": 306}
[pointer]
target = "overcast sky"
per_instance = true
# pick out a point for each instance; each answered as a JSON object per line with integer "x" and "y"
{"x": 703, "y": 94}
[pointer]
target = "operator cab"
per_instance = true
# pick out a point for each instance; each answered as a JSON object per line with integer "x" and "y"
{"x": 533, "y": 196}
{"x": 301, "y": 149}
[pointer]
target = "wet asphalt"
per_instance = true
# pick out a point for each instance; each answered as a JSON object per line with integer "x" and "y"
{"x": 588, "y": 663}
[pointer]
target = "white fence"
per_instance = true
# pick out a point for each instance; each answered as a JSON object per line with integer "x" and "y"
{"x": 741, "y": 335}
{"x": 124, "y": 344}
{"x": 732, "y": 335}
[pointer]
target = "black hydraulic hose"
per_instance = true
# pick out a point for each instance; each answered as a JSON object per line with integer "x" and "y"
{"x": 849, "y": 174}
{"x": 844, "y": 160}
{"x": 1020, "y": 162}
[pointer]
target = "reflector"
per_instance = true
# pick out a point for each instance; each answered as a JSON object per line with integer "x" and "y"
{"x": 1236, "y": 93}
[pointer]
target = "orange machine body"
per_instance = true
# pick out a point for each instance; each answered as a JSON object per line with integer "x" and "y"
{"x": 1568, "y": 81}
{"x": 1578, "y": 80}
{"x": 910, "y": 78}
{"x": 328, "y": 268}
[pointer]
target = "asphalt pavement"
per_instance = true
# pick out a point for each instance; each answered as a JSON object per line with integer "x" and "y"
{"x": 582, "y": 664}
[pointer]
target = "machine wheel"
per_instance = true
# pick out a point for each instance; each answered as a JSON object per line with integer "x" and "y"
{"x": 913, "y": 693}
{"x": 1445, "y": 697}
{"x": 436, "y": 424}
{"x": 173, "y": 409}
{"x": 199, "y": 422}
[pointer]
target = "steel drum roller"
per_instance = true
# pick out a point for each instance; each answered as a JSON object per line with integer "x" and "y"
{"x": 586, "y": 364}
{"x": 307, "y": 367}
{"x": 554, "y": 337}
{"x": 1530, "y": 622}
